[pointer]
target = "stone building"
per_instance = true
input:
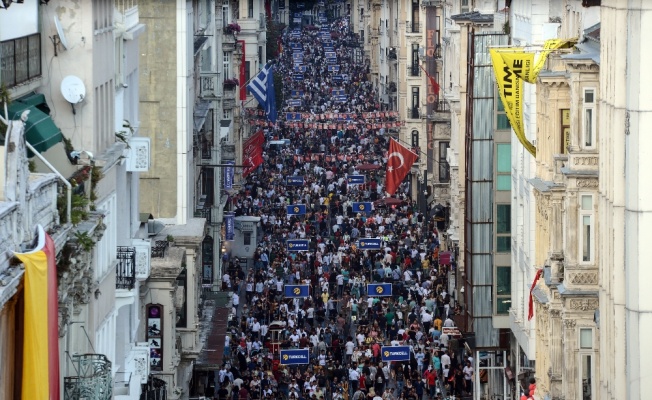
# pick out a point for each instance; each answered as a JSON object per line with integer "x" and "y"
{"x": 566, "y": 208}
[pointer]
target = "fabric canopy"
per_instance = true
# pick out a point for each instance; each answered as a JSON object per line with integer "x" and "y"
{"x": 40, "y": 130}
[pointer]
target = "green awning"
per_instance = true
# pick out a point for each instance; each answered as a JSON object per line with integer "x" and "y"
{"x": 40, "y": 130}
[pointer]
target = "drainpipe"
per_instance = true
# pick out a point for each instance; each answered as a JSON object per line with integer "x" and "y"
{"x": 57, "y": 173}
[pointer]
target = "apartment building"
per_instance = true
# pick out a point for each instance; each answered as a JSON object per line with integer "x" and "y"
{"x": 402, "y": 44}
{"x": 74, "y": 66}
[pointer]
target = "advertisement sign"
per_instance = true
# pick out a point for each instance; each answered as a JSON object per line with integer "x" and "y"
{"x": 379, "y": 289}
{"x": 154, "y": 336}
{"x": 295, "y": 357}
{"x": 362, "y": 207}
{"x": 229, "y": 227}
{"x": 296, "y": 209}
{"x": 369, "y": 244}
{"x": 297, "y": 245}
{"x": 297, "y": 291}
{"x": 228, "y": 176}
{"x": 395, "y": 353}
{"x": 356, "y": 179}
{"x": 294, "y": 180}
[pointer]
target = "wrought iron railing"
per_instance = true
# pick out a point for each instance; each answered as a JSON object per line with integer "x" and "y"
{"x": 412, "y": 27}
{"x": 413, "y": 70}
{"x": 93, "y": 380}
{"x": 159, "y": 248}
{"x": 154, "y": 389}
{"x": 125, "y": 271}
{"x": 21, "y": 59}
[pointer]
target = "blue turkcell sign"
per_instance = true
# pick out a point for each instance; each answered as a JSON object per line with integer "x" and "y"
{"x": 379, "y": 289}
{"x": 355, "y": 179}
{"x": 395, "y": 353}
{"x": 295, "y": 356}
{"x": 363, "y": 207}
{"x": 294, "y": 180}
{"x": 293, "y": 291}
{"x": 369, "y": 243}
{"x": 297, "y": 245}
{"x": 296, "y": 209}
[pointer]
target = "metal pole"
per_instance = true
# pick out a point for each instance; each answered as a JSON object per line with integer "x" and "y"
{"x": 57, "y": 173}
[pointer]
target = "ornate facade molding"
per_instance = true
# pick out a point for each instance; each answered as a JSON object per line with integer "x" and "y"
{"x": 587, "y": 183}
{"x": 588, "y": 161}
{"x": 583, "y": 304}
{"x": 569, "y": 323}
{"x": 583, "y": 278}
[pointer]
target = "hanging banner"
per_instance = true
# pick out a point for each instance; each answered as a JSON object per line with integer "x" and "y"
{"x": 362, "y": 207}
{"x": 228, "y": 176}
{"x": 369, "y": 244}
{"x": 297, "y": 245}
{"x": 514, "y": 65}
{"x": 531, "y": 62}
{"x": 296, "y": 209}
{"x": 395, "y": 353}
{"x": 294, "y": 180}
{"x": 154, "y": 335}
{"x": 355, "y": 179}
{"x": 510, "y": 88}
{"x": 229, "y": 227}
{"x": 295, "y": 356}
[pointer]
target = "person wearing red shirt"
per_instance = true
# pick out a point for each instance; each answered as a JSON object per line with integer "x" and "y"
{"x": 431, "y": 378}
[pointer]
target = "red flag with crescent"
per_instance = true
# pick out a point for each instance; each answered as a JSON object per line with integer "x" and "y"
{"x": 399, "y": 162}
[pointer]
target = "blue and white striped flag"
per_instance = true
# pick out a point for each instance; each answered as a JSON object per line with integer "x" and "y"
{"x": 262, "y": 88}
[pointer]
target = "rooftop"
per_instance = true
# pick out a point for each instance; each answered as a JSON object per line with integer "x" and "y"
{"x": 474, "y": 16}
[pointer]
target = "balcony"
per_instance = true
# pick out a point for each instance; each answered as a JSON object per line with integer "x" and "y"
{"x": 93, "y": 381}
{"x": 413, "y": 70}
{"x": 126, "y": 268}
{"x": 155, "y": 389}
{"x": 412, "y": 27}
{"x": 160, "y": 248}
{"x": 21, "y": 60}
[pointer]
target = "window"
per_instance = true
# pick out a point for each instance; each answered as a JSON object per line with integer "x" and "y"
{"x": 226, "y": 15}
{"x": 586, "y": 225}
{"x": 415, "y": 16}
{"x": 588, "y": 119}
{"x": 260, "y": 55}
{"x": 586, "y": 364}
{"x": 503, "y": 166}
{"x": 247, "y": 70}
{"x": 503, "y": 289}
{"x": 415, "y": 138}
{"x": 414, "y": 68}
{"x": 246, "y": 238}
{"x": 414, "y": 113}
{"x": 106, "y": 248}
{"x": 502, "y": 123}
{"x": 464, "y": 6}
{"x": 503, "y": 227}
{"x": 119, "y": 74}
{"x": 565, "y": 130}
{"x": 250, "y": 9}
{"x": 226, "y": 114}
{"x": 444, "y": 170}
{"x": 21, "y": 59}
{"x": 226, "y": 64}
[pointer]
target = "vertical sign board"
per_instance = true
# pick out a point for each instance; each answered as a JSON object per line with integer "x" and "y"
{"x": 431, "y": 68}
{"x": 565, "y": 130}
{"x": 229, "y": 227}
{"x": 228, "y": 176}
{"x": 155, "y": 336}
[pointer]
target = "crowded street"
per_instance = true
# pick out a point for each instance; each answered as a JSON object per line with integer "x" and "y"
{"x": 329, "y": 164}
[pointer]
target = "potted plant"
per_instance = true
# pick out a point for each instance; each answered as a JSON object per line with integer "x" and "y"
{"x": 231, "y": 84}
{"x": 232, "y": 28}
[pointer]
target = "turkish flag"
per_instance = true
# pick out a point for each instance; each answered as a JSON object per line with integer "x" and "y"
{"x": 252, "y": 162}
{"x": 530, "y": 311}
{"x": 399, "y": 162}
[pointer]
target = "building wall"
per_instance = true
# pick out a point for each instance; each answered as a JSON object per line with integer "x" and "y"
{"x": 158, "y": 106}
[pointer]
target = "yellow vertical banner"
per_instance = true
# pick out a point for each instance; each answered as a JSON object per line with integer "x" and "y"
{"x": 510, "y": 88}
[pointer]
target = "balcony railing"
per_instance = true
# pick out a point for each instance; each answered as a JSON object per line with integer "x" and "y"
{"x": 93, "y": 380}
{"x": 155, "y": 389}
{"x": 159, "y": 248}
{"x": 412, "y": 27}
{"x": 126, "y": 269}
{"x": 21, "y": 59}
{"x": 442, "y": 106}
{"x": 414, "y": 113}
{"x": 413, "y": 70}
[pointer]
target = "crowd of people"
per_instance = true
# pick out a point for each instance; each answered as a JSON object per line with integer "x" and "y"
{"x": 343, "y": 326}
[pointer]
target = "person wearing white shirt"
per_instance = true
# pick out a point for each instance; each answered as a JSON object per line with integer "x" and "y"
{"x": 449, "y": 322}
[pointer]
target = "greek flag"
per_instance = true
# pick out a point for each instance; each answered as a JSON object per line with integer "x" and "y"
{"x": 262, "y": 88}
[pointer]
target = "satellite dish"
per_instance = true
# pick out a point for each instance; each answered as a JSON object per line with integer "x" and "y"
{"x": 60, "y": 33}
{"x": 73, "y": 90}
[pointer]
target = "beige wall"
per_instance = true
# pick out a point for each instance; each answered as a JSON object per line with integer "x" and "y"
{"x": 158, "y": 106}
